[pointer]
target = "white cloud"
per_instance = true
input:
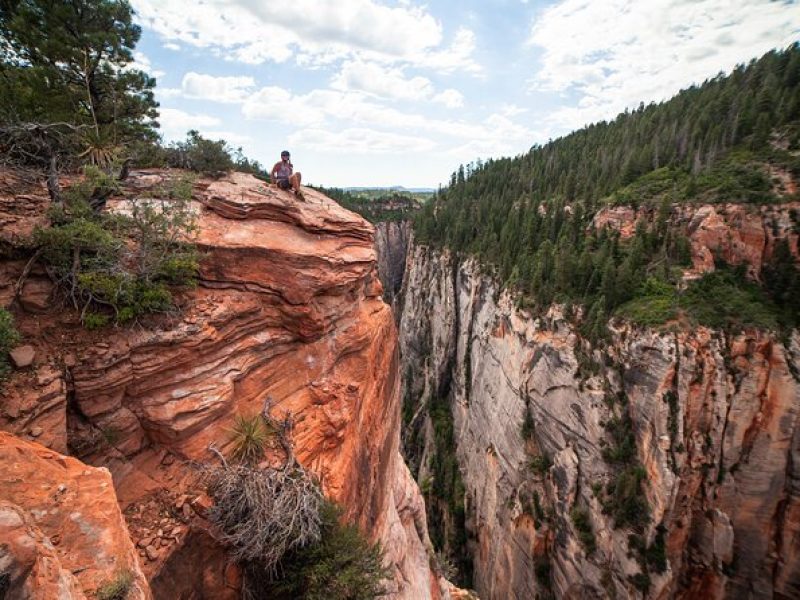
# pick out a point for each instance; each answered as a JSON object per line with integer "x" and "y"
{"x": 175, "y": 123}
{"x": 456, "y": 57}
{"x": 274, "y": 103}
{"x": 617, "y": 53}
{"x": 382, "y": 81}
{"x": 231, "y": 137}
{"x": 512, "y": 110}
{"x": 360, "y": 141}
{"x": 315, "y": 32}
{"x": 324, "y": 110}
{"x": 217, "y": 89}
{"x": 450, "y": 98}
{"x": 172, "y": 46}
{"x": 142, "y": 63}
{"x": 164, "y": 92}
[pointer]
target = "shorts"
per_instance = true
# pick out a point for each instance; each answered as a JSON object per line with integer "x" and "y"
{"x": 283, "y": 184}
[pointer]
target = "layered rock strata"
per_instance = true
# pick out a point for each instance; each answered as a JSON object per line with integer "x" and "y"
{"x": 288, "y": 315}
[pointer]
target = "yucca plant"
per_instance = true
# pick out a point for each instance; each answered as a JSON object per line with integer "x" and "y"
{"x": 99, "y": 149}
{"x": 249, "y": 436}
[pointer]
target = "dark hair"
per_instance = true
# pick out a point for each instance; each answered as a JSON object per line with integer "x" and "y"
{"x": 285, "y": 153}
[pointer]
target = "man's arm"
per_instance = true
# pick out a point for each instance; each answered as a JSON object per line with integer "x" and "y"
{"x": 274, "y": 174}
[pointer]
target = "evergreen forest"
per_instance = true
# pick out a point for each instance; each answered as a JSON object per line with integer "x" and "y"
{"x": 530, "y": 219}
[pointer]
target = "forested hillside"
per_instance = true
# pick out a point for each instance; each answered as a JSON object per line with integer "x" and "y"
{"x": 375, "y": 206}
{"x": 736, "y": 138}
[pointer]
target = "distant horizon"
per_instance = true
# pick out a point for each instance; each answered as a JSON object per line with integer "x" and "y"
{"x": 374, "y": 93}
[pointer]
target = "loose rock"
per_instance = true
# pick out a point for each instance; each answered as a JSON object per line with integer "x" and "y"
{"x": 22, "y": 356}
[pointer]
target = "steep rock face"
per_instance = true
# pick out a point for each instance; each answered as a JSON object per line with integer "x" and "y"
{"x": 392, "y": 239}
{"x": 288, "y": 315}
{"x": 714, "y": 419}
{"x": 736, "y": 233}
{"x": 62, "y": 531}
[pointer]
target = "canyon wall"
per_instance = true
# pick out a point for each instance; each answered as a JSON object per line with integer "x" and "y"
{"x": 288, "y": 315}
{"x": 538, "y": 417}
{"x": 391, "y": 244}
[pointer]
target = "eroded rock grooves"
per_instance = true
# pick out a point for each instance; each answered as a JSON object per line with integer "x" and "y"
{"x": 288, "y": 311}
{"x": 714, "y": 416}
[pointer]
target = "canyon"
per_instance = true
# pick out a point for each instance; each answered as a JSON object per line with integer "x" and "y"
{"x": 532, "y": 409}
{"x": 102, "y": 434}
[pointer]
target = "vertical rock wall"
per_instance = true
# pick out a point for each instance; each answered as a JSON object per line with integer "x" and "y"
{"x": 714, "y": 419}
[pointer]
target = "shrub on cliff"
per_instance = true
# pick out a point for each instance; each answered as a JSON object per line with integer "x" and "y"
{"x": 116, "y": 589}
{"x": 583, "y": 525}
{"x": 342, "y": 565}
{"x": 120, "y": 262}
{"x": 8, "y": 339}
{"x": 263, "y": 514}
{"x": 249, "y": 436}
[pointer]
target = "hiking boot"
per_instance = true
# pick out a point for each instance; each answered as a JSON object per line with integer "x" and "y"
{"x": 300, "y": 195}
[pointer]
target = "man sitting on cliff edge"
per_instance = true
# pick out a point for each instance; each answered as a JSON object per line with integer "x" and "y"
{"x": 284, "y": 176}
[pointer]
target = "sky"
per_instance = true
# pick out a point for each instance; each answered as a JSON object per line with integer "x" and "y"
{"x": 383, "y": 93}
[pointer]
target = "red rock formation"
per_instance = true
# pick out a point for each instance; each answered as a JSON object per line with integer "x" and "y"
{"x": 736, "y": 233}
{"x": 288, "y": 313}
{"x": 66, "y": 534}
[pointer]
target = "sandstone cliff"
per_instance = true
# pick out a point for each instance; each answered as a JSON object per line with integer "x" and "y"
{"x": 62, "y": 531}
{"x": 532, "y": 407}
{"x": 288, "y": 313}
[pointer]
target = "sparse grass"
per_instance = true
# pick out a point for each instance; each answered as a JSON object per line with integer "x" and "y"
{"x": 249, "y": 436}
{"x": 116, "y": 589}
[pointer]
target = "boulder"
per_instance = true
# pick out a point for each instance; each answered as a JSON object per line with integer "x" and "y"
{"x": 23, "y": 356}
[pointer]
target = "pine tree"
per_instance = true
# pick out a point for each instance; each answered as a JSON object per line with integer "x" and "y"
{"x": 70, "y": 63}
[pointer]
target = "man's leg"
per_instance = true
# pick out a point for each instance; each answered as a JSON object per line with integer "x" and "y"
{"x": 295, "y": 180}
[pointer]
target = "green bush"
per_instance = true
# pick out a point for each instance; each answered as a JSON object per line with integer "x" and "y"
{"x": 726, "y": 299}
{"x": 583, "y": 525}
{"x": 9, "y": 337}
{"x": 740, "y": 177}
{"x": 342, "y": 565}
{"x": 656, "y": 553}
{"x": 199, "y": 154}
{"x": 542, "y": 569}
{"x": 626, "y": 500}
{"x": 96, "y": 183}
{"x": 120, "y": 263}
{"x": 93, "y": 320}
{"x": 116, "y": 589}
{"x": 723, "y": 299}
{"x": 641, "y": 581}
{"x": 656, "y": 303}
{"x": 623, "y": 448}
{"x": 540, "y": 464}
